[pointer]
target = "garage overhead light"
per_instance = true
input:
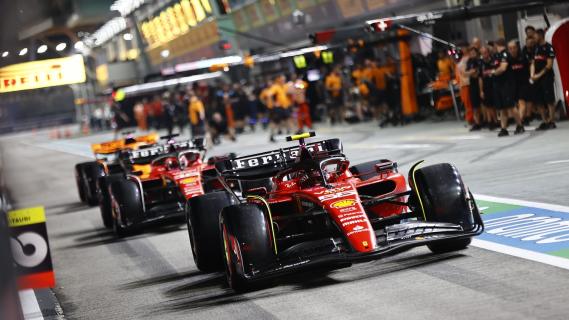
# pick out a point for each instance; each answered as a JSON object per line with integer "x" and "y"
{"x": 5, "y": 54}
{"x": 42, "y": 48}
{"x": 61, "y": 46}
{"x": 127, "y": 36}
{"x": 23, "y": 51}
{"x": 165, "y": 53}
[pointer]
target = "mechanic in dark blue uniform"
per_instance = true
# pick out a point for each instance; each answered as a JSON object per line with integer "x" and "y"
{"x": 520, "y": 74}
{"x": 543, "y": 79}
{"x": 504, "y": 89}
{"x": 487, "y": 87}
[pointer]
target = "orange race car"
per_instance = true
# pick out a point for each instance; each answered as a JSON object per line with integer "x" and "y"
{"x": 106, "y": 161}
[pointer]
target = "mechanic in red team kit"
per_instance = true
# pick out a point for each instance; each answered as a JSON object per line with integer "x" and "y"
{"x": 504, "y": 89}
{"x": 542, "y": 77}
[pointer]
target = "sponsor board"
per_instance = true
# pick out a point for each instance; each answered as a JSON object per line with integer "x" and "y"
{"x": 529, "y": 230}
{"x": 30, "y": 248}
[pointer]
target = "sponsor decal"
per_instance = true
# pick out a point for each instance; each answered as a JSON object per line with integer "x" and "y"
{"x": 290, "y": 185}
{"x": 357, "y": 229}
{"x": 348, "y": 209}
{"x": 352, "y": 217}
{"x": 189, "y": 180}
{"x": 30, "y": 247}
{"x": 272, "y": 158}
{"x": 162, "y": 149}
{"x": 355, "y": 213}
{"x": 343, "y": 203}
{"x": 333, "y": 190}
{"x": 354, "y": 222}
{"x": 338, "y": 195}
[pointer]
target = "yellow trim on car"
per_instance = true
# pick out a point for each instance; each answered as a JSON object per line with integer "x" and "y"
{"x": 415, "y": 166}
{"x": 270, "y": 217}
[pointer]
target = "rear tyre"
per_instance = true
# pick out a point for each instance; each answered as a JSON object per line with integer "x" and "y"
{"x": 79, "y": 179}
{"x": 127, "y": 206}
{"x": 202, "y": 217}
{"x": 245, "y": 226}
{"x": 105, "y": 204}
{"x": 92, "y": 171}
{"x": 441, "y": 196}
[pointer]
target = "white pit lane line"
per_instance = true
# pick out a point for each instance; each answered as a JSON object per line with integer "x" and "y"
{"x": 517, "y": 252}
{"x": 557, "y": 161}
{"x": 30, "y": 305}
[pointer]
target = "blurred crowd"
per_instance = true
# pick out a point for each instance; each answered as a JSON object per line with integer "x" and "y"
{"x": 498, "y": 83}
{"x": 280, "y": 104}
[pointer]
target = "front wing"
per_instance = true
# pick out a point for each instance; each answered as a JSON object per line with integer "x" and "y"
{"x": 391, "y": 240}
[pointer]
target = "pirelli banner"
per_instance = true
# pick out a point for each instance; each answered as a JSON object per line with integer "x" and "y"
{"x": 42, "y": 74}
{"x": 30, "y": 248}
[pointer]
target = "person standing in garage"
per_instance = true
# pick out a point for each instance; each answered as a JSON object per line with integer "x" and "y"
{"x": 541, "y": 72}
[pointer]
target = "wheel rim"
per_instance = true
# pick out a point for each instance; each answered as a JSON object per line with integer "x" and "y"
{"x": 228, "y": 261}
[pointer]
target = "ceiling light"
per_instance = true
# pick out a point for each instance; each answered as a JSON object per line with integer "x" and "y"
{"x": 23, "y": 51}
{"x": 42, "y": 48}
{"x": 5, "y": 54}
{"x": 61, "y": 46}
{"x": 127, "y": 36}
{"x": 165, "y": 53}
{"x": 79, "y": 45}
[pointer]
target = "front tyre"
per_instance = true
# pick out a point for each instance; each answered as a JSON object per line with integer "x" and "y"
{"x": 248, "y": 244}
{"x": 202, "y": 217}
{"x": 439, "y": 195}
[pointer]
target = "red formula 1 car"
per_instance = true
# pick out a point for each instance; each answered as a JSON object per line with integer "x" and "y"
{"x": 158, "y": 182}
{"x": 303, "y": 206}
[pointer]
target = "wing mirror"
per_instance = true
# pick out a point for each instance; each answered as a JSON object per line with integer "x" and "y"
{"x": 261, "y": 191}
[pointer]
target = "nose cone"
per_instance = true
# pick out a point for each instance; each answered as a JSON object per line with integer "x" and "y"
{"x": 350, "y": 216}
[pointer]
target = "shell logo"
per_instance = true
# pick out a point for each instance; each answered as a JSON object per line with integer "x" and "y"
{"x": 343, "y": 204}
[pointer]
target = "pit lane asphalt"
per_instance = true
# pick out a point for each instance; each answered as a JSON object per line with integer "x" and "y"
{"x": 152, "y": 275}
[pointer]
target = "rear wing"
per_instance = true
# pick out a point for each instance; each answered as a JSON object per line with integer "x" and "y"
{"x": 146, "y": 155}
{"x": 266, "y": 164}
{"x": 114, "y": 146}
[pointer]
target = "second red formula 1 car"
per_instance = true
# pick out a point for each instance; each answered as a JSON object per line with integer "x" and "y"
{"x": 157, "y": 183}
{"x": 292, "y": 208}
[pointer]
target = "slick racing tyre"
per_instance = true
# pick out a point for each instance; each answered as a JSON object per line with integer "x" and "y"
{"x": 127, "y": 206}
{"x": 202, "y": 217}
{"x": 91, "y": 173}
{"x": 105, "y": 204}
{"x": 247, "y": 243}
{"x": 441, "y": 196}
{"x": 80, "y": 180}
